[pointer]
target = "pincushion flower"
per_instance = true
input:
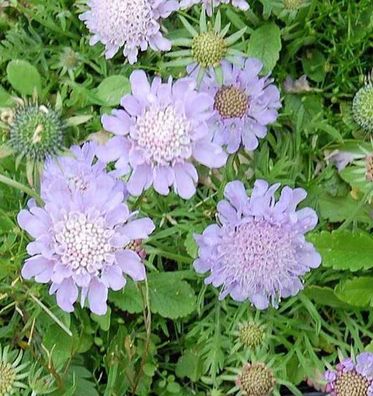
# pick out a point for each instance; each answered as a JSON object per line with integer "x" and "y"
{"x": 132, "y": 24}
{"x": 83, "y": 237}
{"x": 159, "y": 132}
{"x": 244, "y": 105}
{"x": 351, "y": 377}
{"x": 77, "y": 172}
{"x": 258, "y": 251}
{"x": 211, "y": 4}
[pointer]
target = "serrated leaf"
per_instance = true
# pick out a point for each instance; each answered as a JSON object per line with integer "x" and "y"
{"x": 265, "y": 44}
{"x": 356, "y": 291}
{"x": 344, "y": 250}
{"x": 171, "y": 297}
{"x": 112, "y": 89}
{"x": 23, "y": 76}
{"x": 129, "y": 299}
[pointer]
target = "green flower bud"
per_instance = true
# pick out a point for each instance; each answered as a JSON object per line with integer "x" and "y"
{"x": 36, "y": 132}
{"x": 362, "y": 107}
{"x": 208, "y": 49}
{"x": 256, "y": 379}
{"x": 251, "y": 335}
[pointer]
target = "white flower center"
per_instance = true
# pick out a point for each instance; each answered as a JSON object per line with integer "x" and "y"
{"x": 258, "y": 254}
{"x": 122, "y": 21}
{"x": 84, "y": 245}
{"x": 164, "y": 134}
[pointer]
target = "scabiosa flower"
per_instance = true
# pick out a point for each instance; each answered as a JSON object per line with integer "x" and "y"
{"x": 362, "y": 106}
{"x": 77, "y": 172}
{"x": 244, "y": 105}
{"x": 207, "y": 48}
{"x": 160, "y": 131}
{"x": 132, "y": 24}
{"x": 351, "y": 378}
{"x": 211, "y": 4}
{"x": 258, "y": 250}
{"x": 83, "y": 235}
{"x": 256, "y": 379}
{"x": 11, "y": 372}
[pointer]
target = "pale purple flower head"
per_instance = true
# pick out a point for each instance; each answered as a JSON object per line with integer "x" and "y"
{"x": 83, "y": 234}
{"x": 350, "y": 377}
{"x": 258, "y": 251}
{"x": 244, "y": 105}
{"x": 159, "y": 132}
{"x": 132, "y": 24}
{"x": 212, "y": 4}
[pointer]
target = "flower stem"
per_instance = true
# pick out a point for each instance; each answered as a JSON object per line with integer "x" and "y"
{"x": 19, "y": 186}
{"x": 148, "y": 328}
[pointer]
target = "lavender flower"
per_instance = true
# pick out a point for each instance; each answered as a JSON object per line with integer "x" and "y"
{"x": 351, "y": 378}
{"x": 211, "y": 4}
{"x": 83, "y": 234}
{"x": 131, "y": 24}
{"x": 159, "y": 132}
{"x": 258, "y": 251}
{"x": 244, "y": 105}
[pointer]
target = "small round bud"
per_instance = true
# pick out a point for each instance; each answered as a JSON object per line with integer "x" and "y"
{"x": 256, "y": 379}
{"x": 362, "y": 107}
{"x": 36, "y": 132}
{"x": 251, "y": 335}
{"x": 208, "y": 49}
{"x": 293, "y": 5}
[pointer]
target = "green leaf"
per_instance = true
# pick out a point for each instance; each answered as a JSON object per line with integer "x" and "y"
{"x": 324, "y": 296}
{"x": 344, "y": 250}
{"x": 171, "y": 297}
{"x": 24, "y": 77}
{"x": 191, "y": 245}
{"x": 5, "y": 99}
{"x": 112, "y": 89}
{"x": 59, "y": 344}
{"x": 265, "y": 44}
{"x": 190, "y": 365}
{"x": 356, "y": 291}
{"x": 103, "y": 320}
{"x": 338, "y": 209}
{"x": 314, "y": 65}
{"x": 129, "y": 299}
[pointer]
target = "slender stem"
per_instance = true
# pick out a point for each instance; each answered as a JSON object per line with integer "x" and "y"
{"x": 148, "y": 328}
{"x": 19, "y": 186}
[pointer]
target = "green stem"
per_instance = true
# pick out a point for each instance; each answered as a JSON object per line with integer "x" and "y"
{"x": 19, "y": 186}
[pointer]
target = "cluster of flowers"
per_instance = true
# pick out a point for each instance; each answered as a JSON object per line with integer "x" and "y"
{"x": 85, "y": 234}
{"x": 85, "y": 238}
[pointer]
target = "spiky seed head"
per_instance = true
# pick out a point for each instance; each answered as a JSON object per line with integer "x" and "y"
{"x": 36, "y": 132}
{"x": 256, "y": 379}
{"x": 351, "y": 383}
{"x": 293, "y": 5}
{"x": 208, "y": 49}
{"x": 251, "y": 335}
{"x": 362, "y": 107}
{"x": 231, "y": 102}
